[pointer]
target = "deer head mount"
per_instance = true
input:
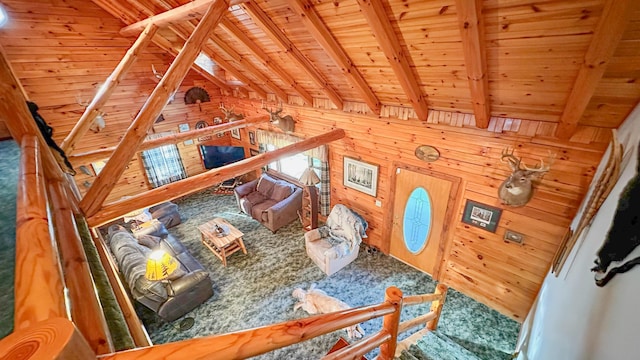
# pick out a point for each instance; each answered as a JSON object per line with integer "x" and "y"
{"x": 517, "y": 188}
{"x": 157, "y": 76}
{"x": 284, "y": 123}
{"x": 98, "y": 122}
{"x": 229, "y": 115}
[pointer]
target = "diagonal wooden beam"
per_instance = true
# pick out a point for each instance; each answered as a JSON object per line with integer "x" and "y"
{"x": 239, "y": 35}
{"x": 374, "y": 12}
{"x": 325, "y": 38}
{"x": 183, "y": 32}
{"x": 202, "y": 181}
{"x": 101, "y": 154}
{"x": 261, "y": 19}
{"x": 471, "y": 26}
{"x": 611, "y": 26}
{"x": 167, "y": 46}
{"x": 136, "y": 133}
{"x": 101, "y": 98}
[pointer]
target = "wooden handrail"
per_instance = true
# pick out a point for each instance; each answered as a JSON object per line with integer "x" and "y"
{"x": 420, "y": 299}
{"x": 253, "y": 342}
{"x": 86, "y": 311}
{"x": 410, "y": 324}
{"x": 39, "y": 291}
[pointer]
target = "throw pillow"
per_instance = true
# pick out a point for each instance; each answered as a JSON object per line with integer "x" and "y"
{"x": 265, "y": 185}
{"x": 281, "y": 191}
{"x": 149, "y": 241}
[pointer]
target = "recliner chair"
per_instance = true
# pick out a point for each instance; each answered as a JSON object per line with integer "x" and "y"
{"x": 336, "y": 244}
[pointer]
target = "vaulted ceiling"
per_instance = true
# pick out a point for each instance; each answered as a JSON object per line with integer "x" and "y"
{"x": 566, "y": 62}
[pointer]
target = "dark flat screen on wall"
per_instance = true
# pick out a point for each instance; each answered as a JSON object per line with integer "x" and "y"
{"x": 217, "y": 156}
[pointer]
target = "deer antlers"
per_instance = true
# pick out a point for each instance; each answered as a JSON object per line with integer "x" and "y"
{"x": 514, "y": 162}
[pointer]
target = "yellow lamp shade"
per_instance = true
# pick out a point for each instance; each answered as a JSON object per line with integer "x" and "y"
{"x": 160, "y": 265}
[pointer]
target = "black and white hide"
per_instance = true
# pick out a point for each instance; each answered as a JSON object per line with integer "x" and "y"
{"x": 623, "y": 236}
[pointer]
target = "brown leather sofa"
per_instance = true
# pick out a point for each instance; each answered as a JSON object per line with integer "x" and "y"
{"x": 187, "y": 288}
{"x": 273, "y": 202}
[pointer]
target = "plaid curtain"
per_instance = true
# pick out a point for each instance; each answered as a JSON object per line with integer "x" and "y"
{"x": 325, "y": 189}
{"x": 163, "y": 165}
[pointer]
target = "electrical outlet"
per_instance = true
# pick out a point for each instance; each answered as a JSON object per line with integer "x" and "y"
{"x": 378, "y": 203}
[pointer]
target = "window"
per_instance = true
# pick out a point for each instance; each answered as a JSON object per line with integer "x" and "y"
{"x": 163, "y": 165}
{"x": 294, "y": 165}
{"x": 3, "y": 17}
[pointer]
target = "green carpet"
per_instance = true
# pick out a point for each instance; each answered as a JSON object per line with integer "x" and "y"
{"x": 9, "y": 161}
{"x": 255, "y": 289}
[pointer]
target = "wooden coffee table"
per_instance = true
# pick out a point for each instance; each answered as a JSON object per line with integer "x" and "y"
{"x": 221, "y": 246}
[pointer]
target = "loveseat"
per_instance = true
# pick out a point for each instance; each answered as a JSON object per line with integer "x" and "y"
{"x": 187, "y": 287}
{"x": 273, "y": 202}
{"x": 336, "y": 244}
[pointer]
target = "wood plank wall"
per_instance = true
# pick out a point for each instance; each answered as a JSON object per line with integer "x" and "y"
{"x": 62, "y": 50}
{"x": 505, "y": 276}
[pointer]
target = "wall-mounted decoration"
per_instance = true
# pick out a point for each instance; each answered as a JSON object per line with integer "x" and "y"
{"x": 235, "y": 133}
{"x": 601, "y": 190}
{"x": 361, "y": 176}
{"x": 284, "y": 123}
{"x": 229, "y": 115}
{"x": 253, "y": 152}
{"x": 217, "y": 121}
{"x": 480, "y": 215}
{"x": 185, "y": 128}
{"x": 427, "y": 153}
{"x": 517, "y": 188}
{"x": 85, "y": 170}
{"x": 252, "y": 137}
{"x": 97, "y": 166}
{"x": 159, "y": 119}
{"x": 514, "y": 237}
{"x": 196, "y": 95}
{"x": 201, "y": 125}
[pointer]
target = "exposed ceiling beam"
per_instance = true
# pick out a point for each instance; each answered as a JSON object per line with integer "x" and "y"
{"x": 167, "y": 46}
{"x": 191, "y": 10}
{"x": 108, "y": 177}
{"x": 325, "y": 38}
{"x": 103, "y": 95}
{"x": 606, "y": 37}
{"x": 101, "y": 154}
{"x": 471, "y": 26}
{"x": 260, "y": 55}
{"x": 263, "y": 21}
{"x": 183, "y": 32}
{"x": 204, "y": 180}
{"x": 379, "y": 22}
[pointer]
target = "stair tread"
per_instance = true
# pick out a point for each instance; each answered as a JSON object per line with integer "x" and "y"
{"x": 435, "y": 346}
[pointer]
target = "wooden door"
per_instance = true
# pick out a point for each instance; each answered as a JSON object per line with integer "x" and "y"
{"x": 423, "y": 204}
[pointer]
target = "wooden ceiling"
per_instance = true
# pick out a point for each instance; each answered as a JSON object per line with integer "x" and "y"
{"x": 566, "y": 62}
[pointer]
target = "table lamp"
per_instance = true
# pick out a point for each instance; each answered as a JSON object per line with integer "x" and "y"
{"x": 309, "y": 179}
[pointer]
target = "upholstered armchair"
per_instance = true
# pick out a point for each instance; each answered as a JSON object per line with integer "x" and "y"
{"x": 336, "y": 244}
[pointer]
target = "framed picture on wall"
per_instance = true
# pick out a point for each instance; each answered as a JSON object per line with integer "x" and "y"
{"x": 254, "y": 152}
{"x": 185, "y": 128}
{"x": 235, "y": 133}
{"x": 361, "y": 176}
{"x": 252, "y": 137}
{"x": 201, "y": 125}
{"x": 480, "y": 215}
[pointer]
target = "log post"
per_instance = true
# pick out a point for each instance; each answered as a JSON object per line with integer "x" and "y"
{"x": 136, "y": 133}
{"x": 107, "y": 89}
{"x": 54, "y": 338}
{"x": 206, "y": 179}
{"x": 38, "y": 290}
{"x": 86, "y": 311}
{"x": 391, "y": 322}
{"x": 436, "y": 306}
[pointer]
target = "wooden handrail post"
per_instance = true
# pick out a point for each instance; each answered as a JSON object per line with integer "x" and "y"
{"x": 38, "y": 290}
{"x": 391, "y": 322}
{"x": 86, "y": 311}
{"x": 437, "y": 305}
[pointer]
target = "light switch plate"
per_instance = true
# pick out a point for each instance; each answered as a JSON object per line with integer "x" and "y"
{"x": 378, "y": 203}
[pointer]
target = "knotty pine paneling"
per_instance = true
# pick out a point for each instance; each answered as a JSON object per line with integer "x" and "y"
{"x": 481, "y": 264}
{"x": 63, "y": 50}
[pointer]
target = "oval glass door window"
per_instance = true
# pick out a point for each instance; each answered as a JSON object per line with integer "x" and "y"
{"x": 417, "y": 220}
